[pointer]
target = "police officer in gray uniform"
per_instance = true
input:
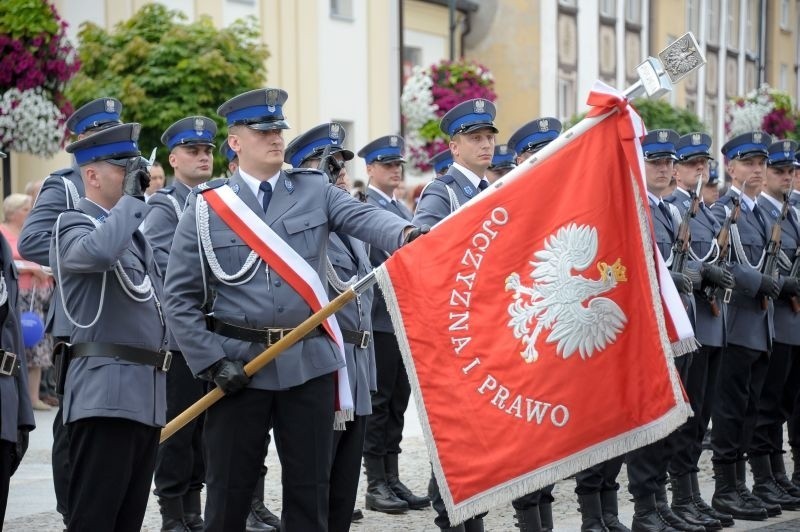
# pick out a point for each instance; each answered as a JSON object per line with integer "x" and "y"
{"x": 766, "y": 450}
{"x": 470, "y": 126}
{"x": 115, "y": 390}
{"x": 647, "y": 466}
{"x": 692, "y": 167}
{"x": 180, "y": 473}
{"x": 60, "y": 191}
{"x": 16, "y": 413}
{"x": 504, "y": 160}
{"x": 385, "y": 491}
{"x": 749, "y": 330}
{"x": 347, "y": 262}
{"x": 252, "y": 306}
{"x": 441, "y": 162}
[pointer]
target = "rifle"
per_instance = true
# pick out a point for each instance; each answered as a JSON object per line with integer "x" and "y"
{"x": 724, "y": 245}
{"x": 774, "y": 247}
{"x": 795, "y": 272}
{"x": 680, "y": 248}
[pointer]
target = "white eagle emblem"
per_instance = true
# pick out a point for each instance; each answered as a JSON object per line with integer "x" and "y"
{"x": 564, "y": 303}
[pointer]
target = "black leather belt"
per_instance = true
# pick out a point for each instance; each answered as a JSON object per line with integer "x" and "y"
{"x": 267, "y": 336}
{"x": 137, "y": 355}
{"x": 357, "y": 338}
{"x": 9, "y": 364}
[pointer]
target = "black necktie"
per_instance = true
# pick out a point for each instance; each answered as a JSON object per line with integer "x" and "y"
{"x": 483, "y": 184}
{"x": 266, "y": 188}
{"x": 667, "y": 215}
{"x": 760, "y": 217}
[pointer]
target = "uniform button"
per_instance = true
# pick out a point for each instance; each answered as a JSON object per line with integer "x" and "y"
{"x": 280, "y": 309}
{"x": 277, "y": 282}
{"x": 306, "y": 224}
{"x": 137, "y": 215}
{"x": 233, "y": 240}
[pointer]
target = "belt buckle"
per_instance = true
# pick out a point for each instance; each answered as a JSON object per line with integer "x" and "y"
{"x": 167, "y": 361}
{"x": 8, "y": 363}
{"x": 274, "y": 340}
{"x": 726, "y": 298}
{"x": 365, "y": 336}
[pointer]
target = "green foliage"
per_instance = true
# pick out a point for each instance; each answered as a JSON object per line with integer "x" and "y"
{"x": 20, "y": 19}
{"x": 659, "y": 114}
{"x": 163, "y": 69}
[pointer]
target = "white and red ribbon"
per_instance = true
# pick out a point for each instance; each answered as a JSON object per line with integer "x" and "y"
{"x": 603, "y": 98}
{"x": 287, "y": 263}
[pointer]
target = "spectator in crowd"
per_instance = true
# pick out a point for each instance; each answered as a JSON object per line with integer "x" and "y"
{"x": 157, "y": 179}
{"x": 35, "y": 288}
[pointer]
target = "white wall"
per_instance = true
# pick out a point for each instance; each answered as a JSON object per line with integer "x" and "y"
{"x": 233, "y": 10}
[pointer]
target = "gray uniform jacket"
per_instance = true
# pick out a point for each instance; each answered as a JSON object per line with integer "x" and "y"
{"x": 304, "y": 209}
{"x": 381, "y": 321}
{"x": 15, "y": 403}
{"x": 666, "y": 231}
{"x": 436, "y": 203}
{"x": 166, "y": 208}
{"x": 82, "y": 257}
{"x": 748, "y": 324}
{"x": 704, "y": 228}
{"x": 55, "y": 197}
{"x": 787, "y": 323}
{"x": 348, "y": 261}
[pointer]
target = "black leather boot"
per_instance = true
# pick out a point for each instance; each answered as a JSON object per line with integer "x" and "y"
{"x": 747, "y": 495}
{"x": 666, "y": 513}
{"x": 474, "y": 524}
{"x": 528, "y": 520}
{"x": 192, "y": 513}
{"x": 591, "y": 513}
{"x": 608, "y": 501}
{"x": 727, "y": 498}
{"x": 766, "y": 488}
{"x": 172, "y": 514}
{"x": 380, "y": 496}
{"x": 546, "y": 516}
{"x": 259, "y": 513}
{"x": 457, "y": 528}
{"x": 683, "y": 504}
{"x": 779, "y": 474}
{"x": 646, "y": 517}
{"x": 415, "y": 502}
{"x": 796, "y": 469}
{"x": 725, "y": 519}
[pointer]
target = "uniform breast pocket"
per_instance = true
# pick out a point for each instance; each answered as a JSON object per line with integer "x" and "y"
{"x": 230, "y": 249}
{"x": 307, "y": 231}
{"x": 341, "y": 261}
{"x": 133, "y": 267}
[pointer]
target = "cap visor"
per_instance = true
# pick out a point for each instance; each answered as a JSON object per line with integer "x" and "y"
{"x": 268, "y": 126}
{"x": 696, "y": 156}
{"x": 476, "y": 127}
{"x": 389, "y": 159}
{"x": 749, "y": 154}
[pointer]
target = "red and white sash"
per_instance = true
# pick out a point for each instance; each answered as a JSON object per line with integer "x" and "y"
{"x": 287, "y": 263}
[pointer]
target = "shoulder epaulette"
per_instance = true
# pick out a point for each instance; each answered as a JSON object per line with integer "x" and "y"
{"x": 446, "y": 179}
{"x": 208, "y": 185}
{"x": 166, "y": 190}
{"x": 727, "y": 198}
{"x": 303, "y": 171}
{"x": 62, "y": 172}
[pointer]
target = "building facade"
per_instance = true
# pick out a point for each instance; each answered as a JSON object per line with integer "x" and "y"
{"x": 345, "y": 60}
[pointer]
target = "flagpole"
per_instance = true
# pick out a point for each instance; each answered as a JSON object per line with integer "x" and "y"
{"x": 268, "y": 355}
{"x": 656, "y": 78}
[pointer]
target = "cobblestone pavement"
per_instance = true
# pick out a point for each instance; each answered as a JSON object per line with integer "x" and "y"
{"x": 32, "y": 502}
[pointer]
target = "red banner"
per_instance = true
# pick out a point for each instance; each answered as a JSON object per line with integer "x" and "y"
{"x": 532, "y": 325}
